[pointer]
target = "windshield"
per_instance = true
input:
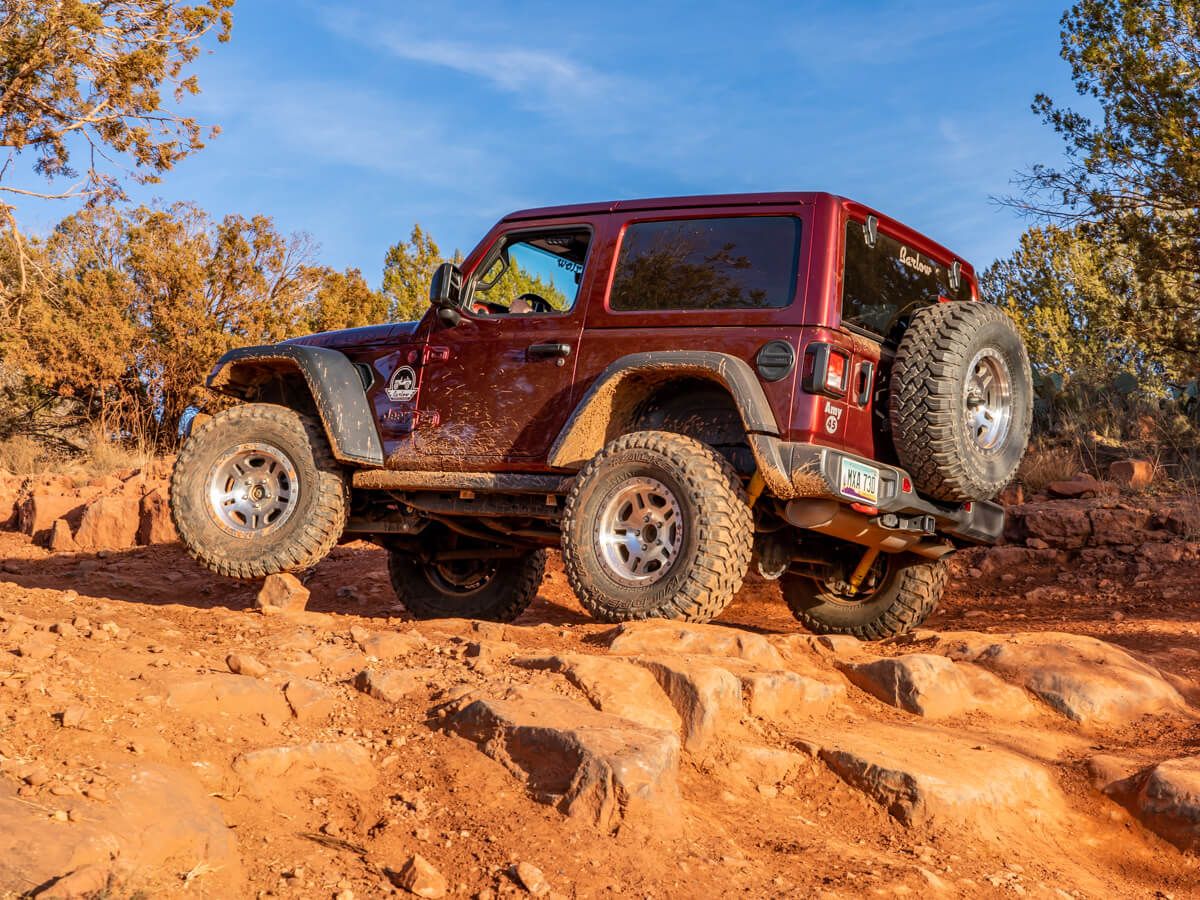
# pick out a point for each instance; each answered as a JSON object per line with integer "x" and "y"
{"x": 885, "y": 284}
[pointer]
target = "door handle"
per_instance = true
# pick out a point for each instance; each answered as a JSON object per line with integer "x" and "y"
{"x": 548, "y": 351}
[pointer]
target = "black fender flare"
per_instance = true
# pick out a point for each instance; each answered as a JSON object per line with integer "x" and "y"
{"x": 588, "y": 428}
{"x": 336, "y": 388}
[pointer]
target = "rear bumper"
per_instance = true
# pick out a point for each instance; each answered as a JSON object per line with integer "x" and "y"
{"x": 809, "y": 470}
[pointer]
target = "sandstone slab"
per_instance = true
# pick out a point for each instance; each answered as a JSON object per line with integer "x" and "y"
{"x": 388, "y": 645}
{"x": 154, "y": 524}
{"x": 1166, "y": 799}
{"x": 1087, "y": 680}
{"x": 109, "y": 523}
{"x": 707, "y": 696}
{"x": 282, "y": 593}
{"x": 613, "y": 686}
{"x": 231, "y": 696}
{"x": 656, "y": 636}
{"x": 589, "y": 764}
{"x": 928, "y": 777}
{"x": 309, "y": 700}
{"x": 392, "y": 685}
{"x": 936, "y": 687}
{"x": 344, "y": 762}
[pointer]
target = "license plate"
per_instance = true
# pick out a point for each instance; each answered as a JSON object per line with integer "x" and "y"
{"x": 859, "y": 482}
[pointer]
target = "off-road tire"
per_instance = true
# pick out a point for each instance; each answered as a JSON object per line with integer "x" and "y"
{"x": 512, "y": 588}
{"x": 312, "y": 528}
{"x": 927, "y": 412}
{"x": 718, "y": 530}
{"x": 906, "y": 597}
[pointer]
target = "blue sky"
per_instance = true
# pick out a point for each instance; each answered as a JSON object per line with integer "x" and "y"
{"x": 351, "y": 121}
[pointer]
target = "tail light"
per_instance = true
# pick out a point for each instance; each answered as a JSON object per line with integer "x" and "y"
{"x": 826, "y": 370}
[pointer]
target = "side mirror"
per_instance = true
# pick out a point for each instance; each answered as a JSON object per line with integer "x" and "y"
{"x": 445, "y": 290}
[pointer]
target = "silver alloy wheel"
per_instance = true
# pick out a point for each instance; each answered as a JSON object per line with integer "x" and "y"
{"x": 987, "y": 399}
{"x": 639, "y": 531}
{"x": 253, "y": 489}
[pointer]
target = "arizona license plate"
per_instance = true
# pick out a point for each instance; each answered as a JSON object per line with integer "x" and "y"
{"x": 859, "y": 482}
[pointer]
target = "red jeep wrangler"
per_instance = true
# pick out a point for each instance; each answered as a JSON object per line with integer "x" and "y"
{"x": 667, "y": 389}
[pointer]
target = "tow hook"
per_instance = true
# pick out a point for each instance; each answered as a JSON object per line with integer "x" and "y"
{"x": 911, "y": 524}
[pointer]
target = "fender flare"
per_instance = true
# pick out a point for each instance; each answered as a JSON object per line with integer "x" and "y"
{"x": 335, "y": 385}
{"x": 587, "y": 430}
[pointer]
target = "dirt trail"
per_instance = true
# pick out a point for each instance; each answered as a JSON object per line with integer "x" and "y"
{"x": 788, "y": 776}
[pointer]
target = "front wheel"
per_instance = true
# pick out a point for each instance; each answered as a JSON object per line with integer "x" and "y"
{"x": 256, "y": 491}
{"x": 898, "y": 594}
{"x": 491, "y": 589}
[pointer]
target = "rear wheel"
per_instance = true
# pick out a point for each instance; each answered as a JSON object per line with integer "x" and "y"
{"x": 465, "y": 586}
{"x": 656, "y": 526}
{"x": 898, "y": 593}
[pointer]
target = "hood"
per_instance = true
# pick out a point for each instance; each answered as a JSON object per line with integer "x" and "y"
{"x": 365, "y": 336}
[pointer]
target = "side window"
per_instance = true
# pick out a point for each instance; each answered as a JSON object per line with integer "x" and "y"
{"x": 885, "y": 283}
{"x": 531, "y": 273}
{"x": 707, "y": 264}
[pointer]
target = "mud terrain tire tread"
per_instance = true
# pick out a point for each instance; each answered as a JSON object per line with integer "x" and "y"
{"x": 519, "y": 588}
{"x": 319, "y": 529}
{"x": 925, "y": 409}
{"x": 724, "y": 526}
{"x": 917, "y": 592}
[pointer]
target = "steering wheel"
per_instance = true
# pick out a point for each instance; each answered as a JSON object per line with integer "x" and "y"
{"x": 537, "y": 303}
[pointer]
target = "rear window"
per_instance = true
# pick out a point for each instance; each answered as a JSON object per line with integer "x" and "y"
{"x": 888, "y": 282}
{"x": 698, "y": 264}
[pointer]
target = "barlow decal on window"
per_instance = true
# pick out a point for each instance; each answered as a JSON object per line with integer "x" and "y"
{"x": 403, "y": 385}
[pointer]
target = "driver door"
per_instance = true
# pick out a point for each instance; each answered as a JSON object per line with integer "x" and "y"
{"x": 495, "y": 388}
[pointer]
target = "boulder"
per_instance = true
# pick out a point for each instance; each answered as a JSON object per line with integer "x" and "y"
{"x": 936, "y": 687}
{"x": 1082, "y": 485}
{"x": 655, "y": 636}
{"x": 1065, "y": 526}
{"x": 1166, "y": 799}
{"x": 109, "y": 523}
{"x": 156, "y": 821}
{"x": 1134, "y": 474}
{"x": 589, "y": 764}
{"x": 39, "y": 510}
{"x": 613, "y": 686}
{"x": 1119, "y": 525}
{"x": 229, "y": 695}
{"x": 344, "y": 762}
{"x": 707, "y": 696}
{"x": 926, "y": 777}
{"x": 245, "y": 664}
{"x": 1087, "y": 680}
{"x": 392, "y": 685}
{"x": 997, "y": 560}
{"x": 282, "y": 593}
{"x": 155, "y": 525}
{"x": 310, "y": 701}
{"x": 61, "y": 540}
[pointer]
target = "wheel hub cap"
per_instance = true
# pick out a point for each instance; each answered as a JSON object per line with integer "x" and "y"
{"x": 253, "y": 489}
{"x": 987, "y": 400}
{"x": 639, "y": 532}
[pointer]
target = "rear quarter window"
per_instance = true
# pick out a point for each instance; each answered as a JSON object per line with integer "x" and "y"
{"x": 707, "y": 264}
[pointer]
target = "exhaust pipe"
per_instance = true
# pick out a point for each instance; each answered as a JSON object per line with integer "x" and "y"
{"x": 889, "y": 533}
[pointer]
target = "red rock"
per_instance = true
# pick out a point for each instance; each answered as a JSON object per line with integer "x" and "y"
{"x": 244, "y": 664}
{"x": 39, "y": 510}
{"x": 342, "y": 761}
{"x": 1132, "y": 473}
{"x": 387, "y": 645}
{"x": 1065, "y": 526}
{"x": 61, "y": 539}
{"x": 1082, "y": 485}
{"x": 310, "y": 701}
{"x": 110, "y": 523}
{"x": 936, "y": 687}
{"x": 1166, "y": 799}
{"x": 282, "y": 593}
{"x": 707, "y": 697}
{"x": 419, "y": 877}
{"x": 660, "y": 636}
{"x": 391, "y": 686}
{"x": 1012, "y": 495}
{"x": 155, "y": 525}
{"x": 1115, "y": 527}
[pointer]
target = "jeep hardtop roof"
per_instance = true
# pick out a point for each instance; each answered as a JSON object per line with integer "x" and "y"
{"x": 706, "y": 201}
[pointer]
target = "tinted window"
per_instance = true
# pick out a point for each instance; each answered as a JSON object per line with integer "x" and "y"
{"x": 532, "y": 273}
{"x": 744, "y": 263}
{"x": 885, "y": 283}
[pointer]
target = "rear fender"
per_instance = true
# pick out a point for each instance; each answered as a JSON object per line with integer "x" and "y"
{"x": 333, "y": 384}
{"x": 610, "y": 406}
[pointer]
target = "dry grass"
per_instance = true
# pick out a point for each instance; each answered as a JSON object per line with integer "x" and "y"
{"x": 1043, "y": 465}
{"x": 22, "y": 455}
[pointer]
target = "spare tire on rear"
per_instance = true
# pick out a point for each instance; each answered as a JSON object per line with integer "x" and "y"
{"x": 961, "y": 400}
